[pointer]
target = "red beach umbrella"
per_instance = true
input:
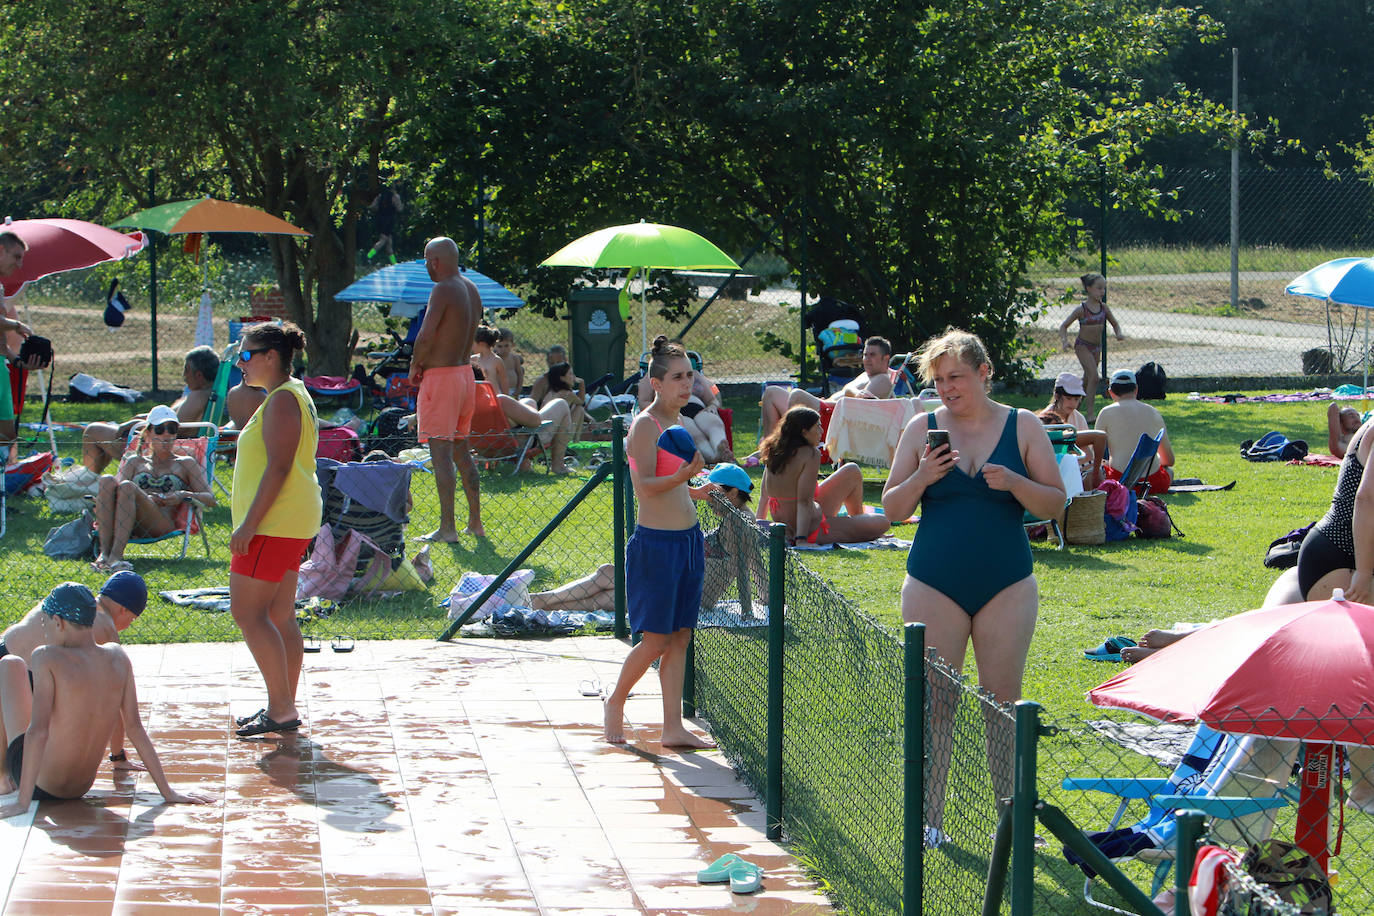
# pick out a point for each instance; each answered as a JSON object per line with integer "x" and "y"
{"x": 56, "y": 245}
{"x": 1298, "y": 671}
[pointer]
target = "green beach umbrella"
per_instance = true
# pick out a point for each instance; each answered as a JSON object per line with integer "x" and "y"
{"x": 641, "y": 247}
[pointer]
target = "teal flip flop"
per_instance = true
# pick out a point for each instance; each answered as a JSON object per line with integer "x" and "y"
{"x": 718, "y": 872}
{"x": 745, "y": 877}
{"x": 1109, "y": 650}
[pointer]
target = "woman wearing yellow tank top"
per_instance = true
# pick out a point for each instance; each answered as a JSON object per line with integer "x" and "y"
{"x": 276, "y": 511}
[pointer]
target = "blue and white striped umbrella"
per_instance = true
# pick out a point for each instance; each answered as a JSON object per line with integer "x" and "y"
{"x": 409, "y": 282}
{"x": 1346, "y": 281}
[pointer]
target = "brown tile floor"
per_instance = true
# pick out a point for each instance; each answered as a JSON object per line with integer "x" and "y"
{"x": 430, "y": 778}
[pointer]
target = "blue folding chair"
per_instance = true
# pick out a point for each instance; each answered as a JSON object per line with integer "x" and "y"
{"x": 1138, "y": 468}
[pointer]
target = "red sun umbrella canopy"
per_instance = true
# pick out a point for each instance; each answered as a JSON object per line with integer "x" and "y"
{"x": 56, "y": 245}
{"x": 1302, "y": 671}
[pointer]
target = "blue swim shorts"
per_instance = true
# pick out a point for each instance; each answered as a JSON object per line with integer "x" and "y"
{"x": 663, "y": 576}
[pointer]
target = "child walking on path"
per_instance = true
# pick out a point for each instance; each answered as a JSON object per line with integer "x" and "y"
{"x": 665, "y": 559}
{"x": 1091, "y": 316}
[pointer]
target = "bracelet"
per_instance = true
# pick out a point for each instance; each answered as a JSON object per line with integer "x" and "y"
{"x": 116, "y": 758}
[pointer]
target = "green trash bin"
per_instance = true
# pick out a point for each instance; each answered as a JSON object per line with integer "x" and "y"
{"x": 596, "y": 333}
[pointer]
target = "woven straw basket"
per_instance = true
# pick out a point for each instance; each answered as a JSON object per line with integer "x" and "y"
{"x": 1084, "y": 520}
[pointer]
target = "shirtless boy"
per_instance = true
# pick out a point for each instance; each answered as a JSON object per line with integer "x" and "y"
{"x": 515, "y": 363}
{"x": 874, "y": 382}
{"x": 439, "y": 365}
{"x": 54, "y": 733}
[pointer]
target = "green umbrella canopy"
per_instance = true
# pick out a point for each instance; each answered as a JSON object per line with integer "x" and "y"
{"x": 642, "y": 245}
{"x": 206, "y": 214}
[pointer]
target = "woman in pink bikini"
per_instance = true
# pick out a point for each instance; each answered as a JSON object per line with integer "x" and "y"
{"x": 1091, "y": 316}
{"x": 792, "y": 494}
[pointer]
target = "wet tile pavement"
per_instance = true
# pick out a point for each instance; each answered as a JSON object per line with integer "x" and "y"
{"x": 429, "y": 778}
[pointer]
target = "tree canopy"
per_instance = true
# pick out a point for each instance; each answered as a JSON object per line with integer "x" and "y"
{"x": 915, "y": 156}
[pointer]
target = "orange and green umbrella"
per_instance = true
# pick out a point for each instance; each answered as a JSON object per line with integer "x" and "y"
{"x": 208, "y": 215}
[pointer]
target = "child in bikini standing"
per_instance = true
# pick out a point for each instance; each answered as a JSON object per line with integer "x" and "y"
{"x": 665, "y": 559}
{"x": 1091, "y": 316}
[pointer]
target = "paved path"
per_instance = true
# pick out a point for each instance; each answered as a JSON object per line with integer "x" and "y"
{"x": 463, "y": 778}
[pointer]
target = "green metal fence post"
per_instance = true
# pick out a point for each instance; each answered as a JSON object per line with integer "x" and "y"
{"x": 619, "y": 522}
{"x": 1190, "y": 825}
{"x": 689, "y": 679}
{"x": 802, "y": 289}
{"x": 777, "y": 557}
{"x": 152, "y": 281}
{"x": 913, "y": 771}
{"x": 1024, "y": 800}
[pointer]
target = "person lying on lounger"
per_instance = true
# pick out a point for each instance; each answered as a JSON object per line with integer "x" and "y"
{"x": 57, "y": 712}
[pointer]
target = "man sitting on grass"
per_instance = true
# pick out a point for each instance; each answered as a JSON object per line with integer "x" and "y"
{"x": 56, "y": 713}
{"x": 1124, "y": 421}
{"x": 122, "y": 599}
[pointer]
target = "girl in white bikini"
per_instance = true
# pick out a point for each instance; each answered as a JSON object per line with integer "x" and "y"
{"x": 1091, "y": 316}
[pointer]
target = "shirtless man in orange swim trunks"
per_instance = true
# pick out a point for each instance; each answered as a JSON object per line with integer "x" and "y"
{"x": 439, "y": 365}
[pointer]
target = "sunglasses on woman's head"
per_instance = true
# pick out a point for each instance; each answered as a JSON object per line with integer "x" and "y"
{"x": 247, "y": 355}
{"x": 170, "y": 426}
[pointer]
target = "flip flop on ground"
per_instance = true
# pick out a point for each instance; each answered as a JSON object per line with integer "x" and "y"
{"x": 1109, "y": 650}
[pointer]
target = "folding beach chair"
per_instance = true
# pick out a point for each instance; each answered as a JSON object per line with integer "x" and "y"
{"x": 1239, "y": 781}
{"x": 492, "y": 437}
{"x": 1138, "y": 468}
{"x": 190, "y": 516}
{"x": 1063, "y": 437}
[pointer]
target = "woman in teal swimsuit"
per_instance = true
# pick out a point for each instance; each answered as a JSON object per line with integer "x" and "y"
{"x": 969, "y": 571}
{"x": 152, "y": 484}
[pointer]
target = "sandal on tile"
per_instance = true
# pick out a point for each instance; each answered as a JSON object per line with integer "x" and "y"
{"x": 341, "y": 644}
{"x": 262, "y": 723}
{"x": 244, "y": 720}
{"x": 312, "y": 644}
{"x": 591, "y": 687}
{"x": 718, "y": 872}
{"x": 745, "y": 877}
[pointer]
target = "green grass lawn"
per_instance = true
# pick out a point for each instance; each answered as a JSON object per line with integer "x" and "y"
{"x": 1087, "y": 593}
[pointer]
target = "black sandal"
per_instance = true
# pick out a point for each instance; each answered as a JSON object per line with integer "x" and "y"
{"x": 262, "y": 723}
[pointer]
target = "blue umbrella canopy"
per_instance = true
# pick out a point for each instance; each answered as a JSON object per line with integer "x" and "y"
{"x": 1348, "y": 281}
{"x": 409, "y": 282}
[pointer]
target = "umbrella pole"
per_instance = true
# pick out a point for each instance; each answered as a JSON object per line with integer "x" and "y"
{"x": 644, "y": 310}
{"x": 1314, "y": 801}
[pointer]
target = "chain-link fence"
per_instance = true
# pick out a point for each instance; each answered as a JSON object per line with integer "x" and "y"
{"x": 391, "y": 502}
{"x": 1170, "y": 277}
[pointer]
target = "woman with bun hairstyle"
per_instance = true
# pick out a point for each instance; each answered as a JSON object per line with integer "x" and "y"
{"x": 665, "y": 559}
{"x": 276, "y": 511}
{"x": 1092, "y": 317}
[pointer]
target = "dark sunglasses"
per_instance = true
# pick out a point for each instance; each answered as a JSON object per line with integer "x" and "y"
{"x": 171, "y": 426}
{"x": 247, "y": 355}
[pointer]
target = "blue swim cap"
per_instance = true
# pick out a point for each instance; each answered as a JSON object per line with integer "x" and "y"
{"x": 731, "y": 475}
{"x": 677, "y": 441}
{"x": 73, "y": 602}
{"x": 127, "y": 588}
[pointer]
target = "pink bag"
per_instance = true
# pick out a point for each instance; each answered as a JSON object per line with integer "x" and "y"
{"x": 339, "y": 443}
{"x": 329, "y": 570}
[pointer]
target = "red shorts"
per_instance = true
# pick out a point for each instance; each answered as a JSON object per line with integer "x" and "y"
{"x": 448, "y": 396}
{"x": 269, "y": 558}
{"x": 1159, "y": 481}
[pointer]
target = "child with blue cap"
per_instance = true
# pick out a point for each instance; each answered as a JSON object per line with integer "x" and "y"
{"x": 665, "y": 558}
{"x": 54, "y": 750}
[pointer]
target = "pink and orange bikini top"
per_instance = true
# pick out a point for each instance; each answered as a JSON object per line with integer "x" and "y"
{"x": 665, "y": 463}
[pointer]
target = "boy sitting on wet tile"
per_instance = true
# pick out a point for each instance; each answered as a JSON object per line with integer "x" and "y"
{"x": 57, "y": 711}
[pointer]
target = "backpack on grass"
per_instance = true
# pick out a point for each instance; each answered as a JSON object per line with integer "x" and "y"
{"x": 1153, "y": 519}
{"x": 1150, "y": 382}
{"x": 1273, "y": 446}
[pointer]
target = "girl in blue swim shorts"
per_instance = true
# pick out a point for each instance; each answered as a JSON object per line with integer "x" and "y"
{"x": 969, "y": 571}
{"x": 665, "y": 558}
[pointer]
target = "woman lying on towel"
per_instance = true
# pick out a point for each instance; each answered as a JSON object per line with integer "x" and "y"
{"x": 143, "y": 499}
{"x": 793, "y": 495}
